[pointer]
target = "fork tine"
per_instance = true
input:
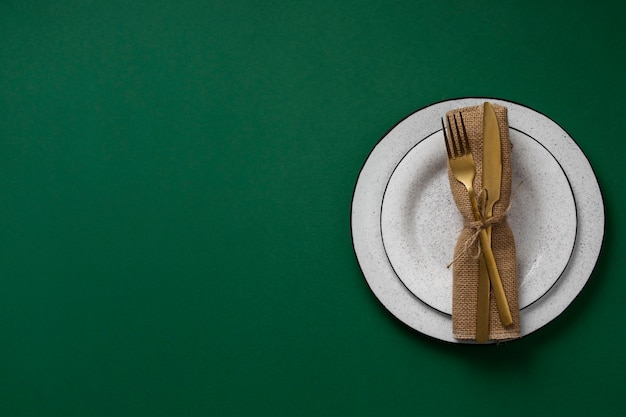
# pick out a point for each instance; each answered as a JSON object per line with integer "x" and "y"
{"x": 445, "y": 137}
{"x": 465, "y": 137}
{"x": 462, "y": 149}
{"x": 456, "y": 153}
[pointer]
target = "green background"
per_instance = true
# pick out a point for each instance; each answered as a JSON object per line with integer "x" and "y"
{"x": 175, "y": 189}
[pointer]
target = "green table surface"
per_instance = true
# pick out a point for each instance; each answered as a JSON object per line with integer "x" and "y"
{"x": 175, "y": 189}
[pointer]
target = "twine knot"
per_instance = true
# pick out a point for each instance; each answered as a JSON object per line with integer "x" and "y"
{"x": 479, "y": 226}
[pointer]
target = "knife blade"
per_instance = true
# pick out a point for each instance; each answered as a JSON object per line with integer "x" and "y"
{"x": 492, "y": 183}
{"x": 492, "y": 158}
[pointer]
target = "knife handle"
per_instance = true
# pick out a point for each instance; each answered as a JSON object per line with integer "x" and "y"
{"x": 494, "y": 275}
{"x": 496, "y": 282}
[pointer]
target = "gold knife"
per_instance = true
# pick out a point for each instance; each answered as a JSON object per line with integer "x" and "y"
{"x": 491, "y": 181}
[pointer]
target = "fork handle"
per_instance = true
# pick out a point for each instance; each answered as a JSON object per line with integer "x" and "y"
{"x": 483, "y": 303}
{"x": 492, "y": 269}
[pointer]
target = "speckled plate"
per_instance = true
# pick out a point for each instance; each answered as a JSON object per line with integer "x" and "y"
{"x": 419, "y": 220}
{"x": 388, "y": 222}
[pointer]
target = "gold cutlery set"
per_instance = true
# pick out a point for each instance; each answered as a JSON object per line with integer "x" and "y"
{"x": 463, "y": 169}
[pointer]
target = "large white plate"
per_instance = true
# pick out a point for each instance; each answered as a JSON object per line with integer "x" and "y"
{"x": 557, "y": 290}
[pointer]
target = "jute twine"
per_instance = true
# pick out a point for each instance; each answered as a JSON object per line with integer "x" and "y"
{"x": 465, "y": 266}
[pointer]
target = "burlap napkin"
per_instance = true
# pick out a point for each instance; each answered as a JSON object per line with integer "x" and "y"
{"x": 465, "y": 266}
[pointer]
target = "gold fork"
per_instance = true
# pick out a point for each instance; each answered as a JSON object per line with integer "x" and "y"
{"x": 462, "y": 165}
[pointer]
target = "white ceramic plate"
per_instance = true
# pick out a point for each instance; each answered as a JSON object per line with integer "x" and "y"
{"x": 420, "y": 222}
{"x": 557, "y": 219}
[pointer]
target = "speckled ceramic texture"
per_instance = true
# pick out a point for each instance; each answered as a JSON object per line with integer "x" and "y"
{"x": 546, "y": 152}
{"x": 420, "y": 222}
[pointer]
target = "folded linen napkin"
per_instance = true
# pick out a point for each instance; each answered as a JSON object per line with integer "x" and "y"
{"x": 465, "y": 266}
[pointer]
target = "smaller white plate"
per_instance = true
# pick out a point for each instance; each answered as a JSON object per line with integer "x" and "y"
{"x": 420, "y": 221}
